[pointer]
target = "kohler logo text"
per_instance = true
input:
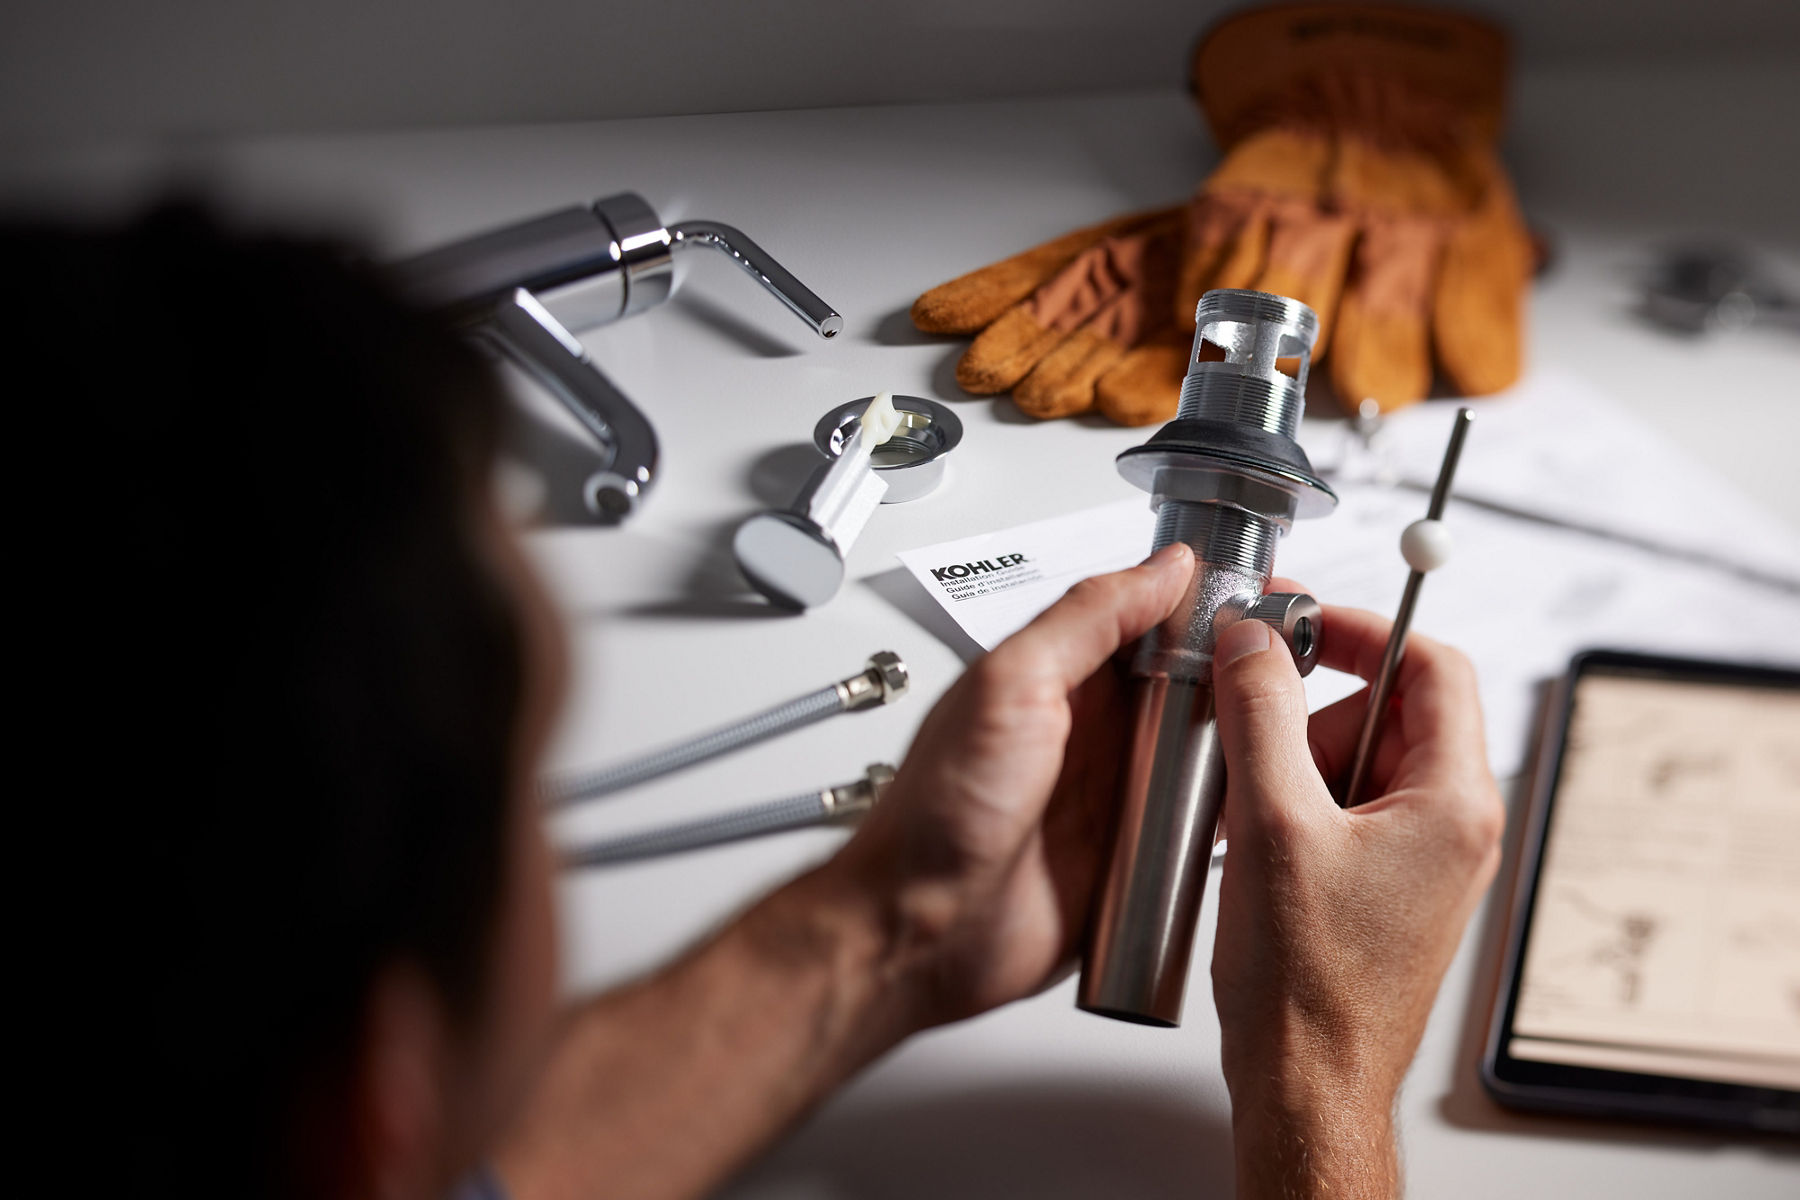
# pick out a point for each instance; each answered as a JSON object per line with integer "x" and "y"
{"x": 978, "y": 567}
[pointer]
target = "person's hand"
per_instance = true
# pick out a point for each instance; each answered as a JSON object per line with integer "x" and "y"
{"x": 984, "y": 852}
{"x": 1336, "y": 926}
{"x": 966, "y": 887}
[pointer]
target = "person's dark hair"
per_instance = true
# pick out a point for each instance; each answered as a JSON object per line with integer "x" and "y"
{"x": 297, "y": 669}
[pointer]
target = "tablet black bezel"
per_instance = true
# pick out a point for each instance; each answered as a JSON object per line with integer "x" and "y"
{"x": 1559, "y": 1087}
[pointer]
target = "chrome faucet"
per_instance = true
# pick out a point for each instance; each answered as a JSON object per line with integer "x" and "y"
{"x": 522, "y": 288}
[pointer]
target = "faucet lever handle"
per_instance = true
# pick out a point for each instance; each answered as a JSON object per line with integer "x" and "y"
{"x": 801, "y": 300}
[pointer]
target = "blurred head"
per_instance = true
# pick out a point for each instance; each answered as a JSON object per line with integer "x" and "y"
{"x": 314, "y": 673}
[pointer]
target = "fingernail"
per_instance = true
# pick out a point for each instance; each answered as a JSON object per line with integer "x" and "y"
{"x": 1169, "y": 554}
{"x": 1245, "y": 637}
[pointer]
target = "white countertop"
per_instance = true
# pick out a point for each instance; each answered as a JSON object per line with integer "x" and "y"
{"x": 869, "y": 207}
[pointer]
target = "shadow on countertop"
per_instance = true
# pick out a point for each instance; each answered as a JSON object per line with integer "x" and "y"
{"x": 714, "y": 587}
{"x": 777, "y": 475}
{"x": 1055, "y": 1140}
{"x": 896, "y": 328}
{"x": 719, "y": 320}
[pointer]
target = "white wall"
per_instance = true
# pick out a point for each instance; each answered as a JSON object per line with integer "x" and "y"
{"x": 84, "y": 70}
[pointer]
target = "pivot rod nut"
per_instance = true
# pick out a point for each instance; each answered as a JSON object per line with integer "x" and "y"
{"x": 1296, "y": 619}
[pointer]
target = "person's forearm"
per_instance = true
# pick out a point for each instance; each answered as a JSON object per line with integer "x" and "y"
{"x": 1299, "y": 1138}
{"x": 664, "y": 1088}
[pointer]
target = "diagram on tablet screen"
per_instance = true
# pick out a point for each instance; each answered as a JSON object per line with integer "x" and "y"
{"x": 1668, "y": 902}
{"x": 1620, "y": 947}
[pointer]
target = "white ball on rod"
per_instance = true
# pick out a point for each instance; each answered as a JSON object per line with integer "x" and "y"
{"x": 1426, "y": 545}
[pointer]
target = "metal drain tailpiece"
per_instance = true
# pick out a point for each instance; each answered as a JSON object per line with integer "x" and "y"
{"x": 1228, "y": 479}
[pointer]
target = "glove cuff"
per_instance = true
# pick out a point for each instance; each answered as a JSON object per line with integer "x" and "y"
{"x": 1290, "y": 63}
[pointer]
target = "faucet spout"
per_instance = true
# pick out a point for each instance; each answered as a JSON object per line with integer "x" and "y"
{"x": 800, "y": 299}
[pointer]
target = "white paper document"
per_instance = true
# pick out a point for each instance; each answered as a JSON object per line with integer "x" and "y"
{"x": 994, "y": 583}
{"x": 1519, "y": 596}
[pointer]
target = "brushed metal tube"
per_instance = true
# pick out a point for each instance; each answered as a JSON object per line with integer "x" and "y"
{"x": 1174, "y": 777}
{"x": 1143, "y": 934}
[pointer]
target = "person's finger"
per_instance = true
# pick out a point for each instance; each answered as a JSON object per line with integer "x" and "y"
{"x": 1261, "y": 709}
{"x": 1333, "y": 733}
{"x": 1352, "y": 640}
{"x": 1074, "y": 637}
{"x": 974, "y": 301}
{"x": 1434, "y": 687}
{"x": 1334, "y": 729}
{"x": 1080, "y": 813}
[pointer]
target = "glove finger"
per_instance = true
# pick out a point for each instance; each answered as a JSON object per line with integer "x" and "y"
{"x": 1404, "y": 197}
{"x": 1146, "y": 258}
{"x": 1144, "y": 386}
{"x": 1228, "y": 229}
{"x": 1004, "y": 352}
{"x": 1062, "y": 384}
{"x": 1478, "y": 312}
{"x": 976, "y": 300}
{"x": 1093, "y": 282}
{"x": 1308, "y": 257}
{"x": 1218, "y": 224}
{"x": 1228, "y": 245}
{"x": 1382, "y": 351}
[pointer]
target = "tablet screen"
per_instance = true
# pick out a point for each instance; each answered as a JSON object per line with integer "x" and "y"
{"x": 1665, "y": 936}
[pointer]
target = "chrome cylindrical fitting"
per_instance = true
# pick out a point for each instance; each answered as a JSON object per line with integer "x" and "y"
{"x": 1227, "y": 478}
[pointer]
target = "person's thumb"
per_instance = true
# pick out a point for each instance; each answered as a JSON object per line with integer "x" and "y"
{"x": 1261, "y": 708}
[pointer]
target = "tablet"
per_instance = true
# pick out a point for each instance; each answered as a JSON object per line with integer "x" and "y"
{"x": 1653, "y": 958}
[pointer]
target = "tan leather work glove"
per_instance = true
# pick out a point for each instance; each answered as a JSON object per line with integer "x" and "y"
{"x": 1361, "y": 178}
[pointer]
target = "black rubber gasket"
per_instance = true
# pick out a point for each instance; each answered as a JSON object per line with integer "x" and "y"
{"x": 1239, "y": 446}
